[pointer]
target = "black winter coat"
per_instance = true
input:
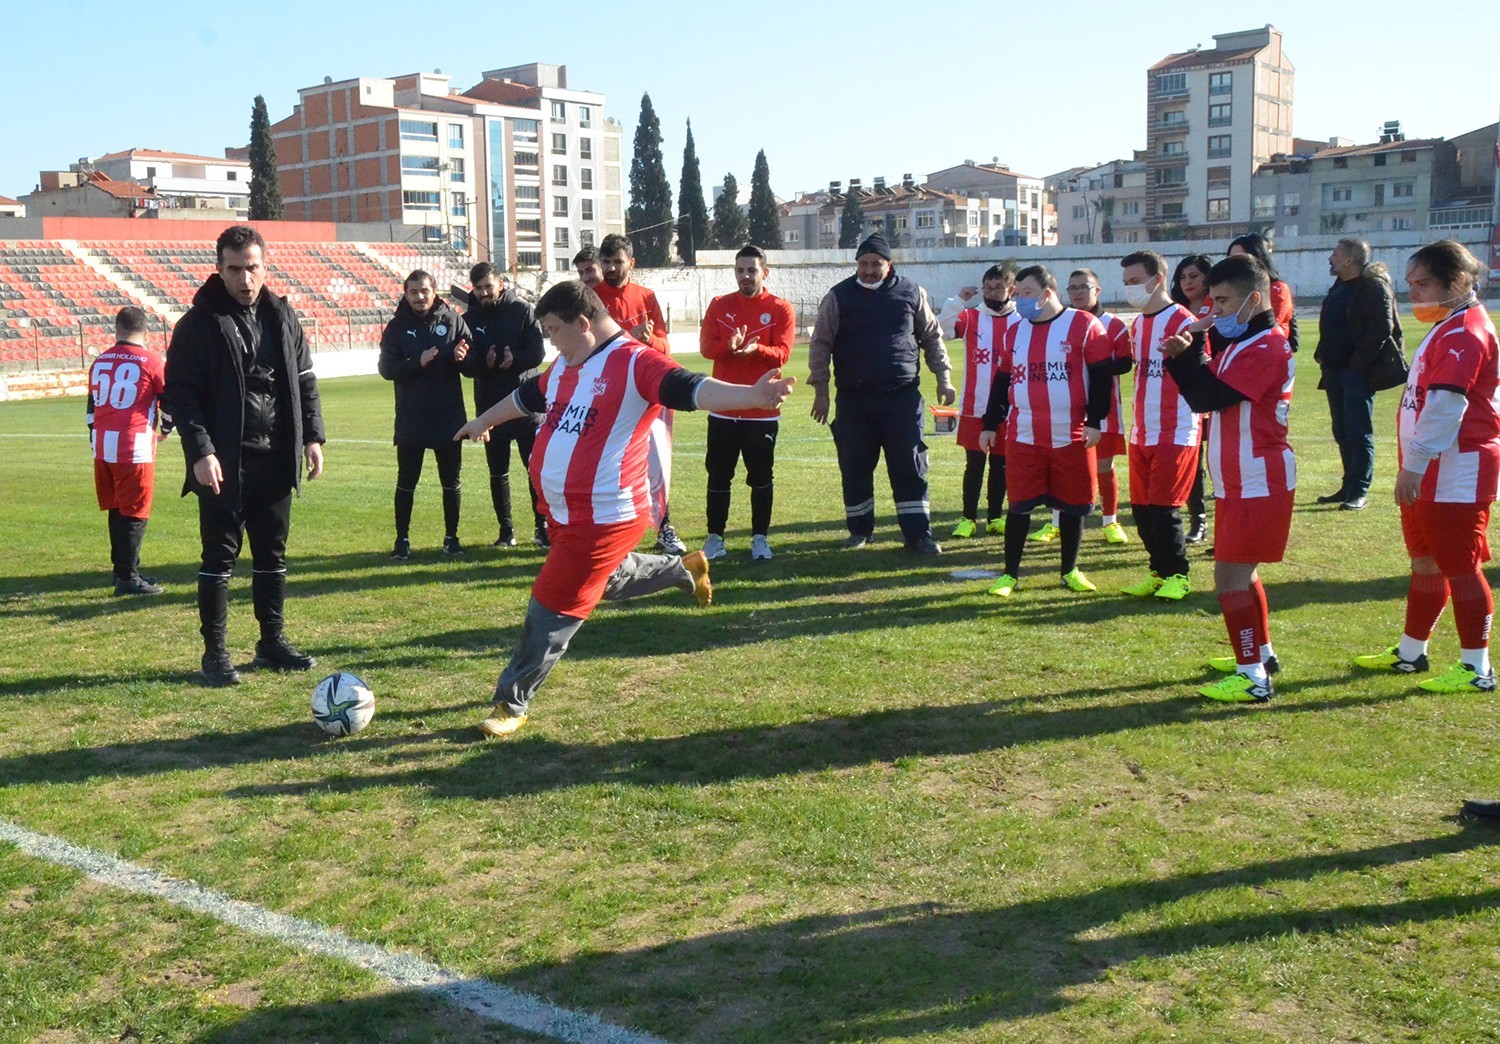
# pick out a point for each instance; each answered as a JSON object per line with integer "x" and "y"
{"x": 205, "y": 387}
{"x": 429, "y": 399}
{"x": 509, "y": 323}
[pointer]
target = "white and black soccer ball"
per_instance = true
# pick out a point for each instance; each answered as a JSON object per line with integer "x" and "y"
{"x": 342, "y": 704}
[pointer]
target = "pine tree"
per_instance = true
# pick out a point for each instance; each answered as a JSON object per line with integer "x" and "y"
{"x": 730, "y": 226}
{"x": 765, "y": 222}
{"x": 648, "y": 220}
{"x": 693, "y": 233}
{"x": 852, "y": 223}
{"x": 265, "y": 183}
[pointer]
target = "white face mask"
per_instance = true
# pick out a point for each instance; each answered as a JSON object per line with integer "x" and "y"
{"x": 1137, "y": 296}
{"x": 869, "y": 286}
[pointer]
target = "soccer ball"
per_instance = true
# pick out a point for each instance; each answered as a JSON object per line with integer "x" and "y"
{"x": 342, "y": 704}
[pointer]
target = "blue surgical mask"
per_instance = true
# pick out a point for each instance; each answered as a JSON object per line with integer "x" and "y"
{"x": 1027, "y": 307}
{"x": 1232, "y": 327}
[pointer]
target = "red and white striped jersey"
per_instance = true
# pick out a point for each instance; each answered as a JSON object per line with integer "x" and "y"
{"x": 1248, "y": 452}
{"x": 984, "y": 338}
{"x": 1459, "y": 352}
{"x": 1049, "y": 381}
{"x": 125, "y": 386}
{"x": 1161, "y": 417}
{"x": 1119, "y": 338}
{"x": 589, "y": 462}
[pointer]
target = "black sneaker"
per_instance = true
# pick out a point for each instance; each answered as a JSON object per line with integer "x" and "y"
{"x": 507, "y": 537}
{"x": 218, "y": 670}
{"x": 278, "y": 654}
{"x": 1357, "y": 504}
{"x": 1482, "y": 808}
{"x": 136, "y": 585}
{"x": 924, "y": 546}
{"x": 668, "y": 542}
{"x": 1199, "y": 532}
{"x": 402, "y": 551}
{"x": 452, "y": 548}
{"x": 540, "y": 537}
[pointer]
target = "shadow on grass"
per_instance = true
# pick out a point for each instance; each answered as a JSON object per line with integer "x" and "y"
{"x": 922, "y": 969}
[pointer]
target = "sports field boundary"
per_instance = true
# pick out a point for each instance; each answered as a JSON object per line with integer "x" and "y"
{"x": 480, "y": 997}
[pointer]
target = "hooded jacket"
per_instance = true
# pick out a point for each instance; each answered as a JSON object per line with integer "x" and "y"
{"x": 429, "y": 399}
{"x": 206, "y": 392}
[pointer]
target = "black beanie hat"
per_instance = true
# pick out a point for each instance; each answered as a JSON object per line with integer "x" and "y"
{"x": 874, "y": 244}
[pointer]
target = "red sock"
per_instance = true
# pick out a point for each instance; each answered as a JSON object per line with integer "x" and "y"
{"x": 1262, "y": 612}
{"x": 1473, "y": 608}
{"x": 1425, "y": 599}
{"x": 1109, "y": 492}
{"x": 1241, "y": 615}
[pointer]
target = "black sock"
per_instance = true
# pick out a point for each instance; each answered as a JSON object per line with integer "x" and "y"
{"x": 1070, "y": 528}
{"x": 1016, "y": 532}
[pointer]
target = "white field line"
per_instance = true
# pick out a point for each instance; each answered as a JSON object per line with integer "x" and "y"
{"x": 487, "y": 1000}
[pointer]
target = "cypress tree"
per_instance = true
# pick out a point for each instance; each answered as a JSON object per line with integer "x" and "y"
{"x": 765, "y": 222}
{"x": 648, "y": 220}
{"x": 265, "y": 183}
{"x": 693, "y": 233}
{"x": 852, "y": 223}
{"x": 730, "y": 226}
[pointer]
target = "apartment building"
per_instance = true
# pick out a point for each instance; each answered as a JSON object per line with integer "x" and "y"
{"x": 1101, "y": 204}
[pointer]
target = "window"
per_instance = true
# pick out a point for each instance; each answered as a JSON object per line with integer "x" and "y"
{"x": 1291, "y": 204}
{"x": 1263, "y": 206}
{"x": 1218, "y": 146}
{"x": 1130, "y": 208}
{"x": 1402, "y": 190}
{"x": 426, "y": 166}
{"x": 1401, "y": 224}
{"x": 528, "y": 258}
{"x": 791, "y": 236}
{"x": 1078, "y": 211}
{"x": 562, "y": 264}
{"x": 1343, "y": 195}
{"x": 1380, "y": 159}
{"x": 1174, "y": 118}
{"x": 1218, "y": 210}
{"x": 455, "y": 135}
{"x": 559, "y": 174}
{"x": 926, "y": 219}
{"x": 1408, "y": 157}
{"x": 1172, "y": 176}
{"x": 1340, "y": 163}
{"x": 1219, "y": 115}
{"x": 1173, "y": 148}
{"x": 586, "y": 209}
{"x": 1380, "y": 195}
{"x": 559, "y": 112}
{"x": 529, "y": 192}
{"x": 456, "y": 169}
{"x": 527, "y": 159}
{"x": 458, "y": 208}
{"x": 234, "y": 175}
{"x": 532, "y": 226}
{"x": 420, "y": 200}
{"x": 585, "y": 116}
{"x": 559, "y": 206}
{"x": 1220, "y": 82}
{"x": 1171, "y": 210}
{"x": 827, "y": 227}
{"x": 1171, "y": 83}
{"x": 419, "y": 130}
{"x": 586, "y": 178}
{"x": 559, "y": 144}
{"x": 585, "y": 148}
{"x": 585, "y": 237}
{"x": 560, "y": 238}
{"x": 901, "y": 222}
{"x": 1218, "y": 177}
{"x": 525, "y": 131}
{"x": 150, "y": 172}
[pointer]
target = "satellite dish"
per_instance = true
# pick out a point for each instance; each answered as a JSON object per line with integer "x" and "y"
{"x": 327, "y": 80}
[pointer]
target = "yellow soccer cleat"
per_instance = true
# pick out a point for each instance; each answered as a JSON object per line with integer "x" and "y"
{"x": 965, "y": 529}
{"x": 1143, "y": 588}
{"x": 1076, "y": 581}
{"x": 502, "y": 724}
{"x": 1239, "y": 688}
{"x": 1114, "y": 533}
{"x": 696, "y": 563}
{"x": 1174, "y": 588}
{"x": 1046, "y": 534}
{"x": 1003, "y": 587}
{"x": 995, "y": 526}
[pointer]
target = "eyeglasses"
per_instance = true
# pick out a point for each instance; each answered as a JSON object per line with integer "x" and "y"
{"x": 1073, "y": 289}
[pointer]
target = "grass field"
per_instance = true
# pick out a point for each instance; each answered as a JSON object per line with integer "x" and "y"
{"x": 857, "y": 799}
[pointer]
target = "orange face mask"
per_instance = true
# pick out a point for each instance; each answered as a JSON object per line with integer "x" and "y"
{"x": 1436, "y": 313}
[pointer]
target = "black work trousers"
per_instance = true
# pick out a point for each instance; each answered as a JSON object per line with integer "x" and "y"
{"x": 450, "y": 462}
{"x": 729, "y": 439}
{"x": 867, "y": 424}
{"x": 265, "y": 516}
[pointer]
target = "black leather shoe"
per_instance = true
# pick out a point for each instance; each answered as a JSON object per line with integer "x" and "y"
{"x": 1199, "y": 532}
{"x": 1357, "y": 504}
{"x": 136, "y": 585}
{"x": 924, "y": 546}
{"x": 218, "y": 671}
{"x": 1483, "y": 808}
{"x": 1336, "y": 497}
{"x": 278, "y": 654}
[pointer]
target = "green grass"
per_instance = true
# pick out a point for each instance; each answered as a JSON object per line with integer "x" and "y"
{"x": 855, "y": 800}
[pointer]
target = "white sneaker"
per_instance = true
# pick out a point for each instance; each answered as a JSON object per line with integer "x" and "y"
{"x": 760, "y": 548}
{"x": 713, "y": 547}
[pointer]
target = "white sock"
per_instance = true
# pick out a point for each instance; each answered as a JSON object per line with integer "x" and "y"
{"x": 1409, "y": 648}
{"x": 1477, "y": 659}
{"x": 1110, "y": 520}
{"x": 1256, "y": 672}
{"x": 1266, "y": 652}
{"x": 1057, "y": 518}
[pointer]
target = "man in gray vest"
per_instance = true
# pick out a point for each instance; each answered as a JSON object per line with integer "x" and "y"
{"x": 874, "y": 326}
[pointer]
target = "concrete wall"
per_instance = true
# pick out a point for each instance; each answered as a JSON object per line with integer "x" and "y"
{"x": 804, "y": 276}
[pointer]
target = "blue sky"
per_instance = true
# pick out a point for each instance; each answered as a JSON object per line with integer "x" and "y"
{"x": 830, "y": 93}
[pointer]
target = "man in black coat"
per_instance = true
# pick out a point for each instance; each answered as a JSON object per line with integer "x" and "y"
{"x": 507, "y": 349}
{"x": 422, "y": 352}
{"x": 241, "y": 390}
{"x": 1358, "y": 317}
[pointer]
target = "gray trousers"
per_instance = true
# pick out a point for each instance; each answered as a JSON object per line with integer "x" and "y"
{"x": 545, "y": 634}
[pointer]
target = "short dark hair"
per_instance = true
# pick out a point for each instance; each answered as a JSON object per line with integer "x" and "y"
{"x": 1087, "y": 273}
{"x": 1040, "y": 274}
{"x": 130, "y": 320}
{"x": 1150, "y": 260}
{"x": 614, "y": 243}
{"x": 587, "y": 256}
{"x": 237, "y": 238}
{"x": 751, "y": 250}
{"x": 484, "y": 270}
{"x": 1005, "y": 272}
{"x": 1258, "y": 247}
{"x": 1245, "y": 274}
{"x": 570, "y": 299}
{"x": 417, "y": 276}
{"x": 1449, "y": 262}
{"x": 1199, "y": 261}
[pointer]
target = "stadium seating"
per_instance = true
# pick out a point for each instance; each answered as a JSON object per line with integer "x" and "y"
{"x": 52, "y": 305}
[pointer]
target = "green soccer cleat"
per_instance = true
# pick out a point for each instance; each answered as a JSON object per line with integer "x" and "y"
{"x": 1046, "y": 534}
{"x": 1003, "y": 587}
{"x": 1174, "y": 588}
{"x": 1390, "y": 660}
{"x": 1238, "y": 688}
{"x": 965, "y": 529}
{"x": 1114, "y": 533}
{"x": 1229, "y": 663}
{"x": 1460, "y": 678}
{"x": 1143, "y": 588}
{"x": 1076, "y": 581}
{"x": 995, "y": 526}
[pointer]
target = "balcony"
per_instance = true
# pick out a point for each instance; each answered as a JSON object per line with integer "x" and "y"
{"x": 1220, "y": 121}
